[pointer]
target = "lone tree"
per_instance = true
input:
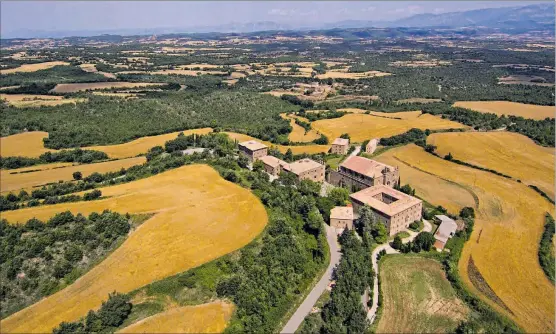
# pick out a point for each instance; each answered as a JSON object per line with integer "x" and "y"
{"x": 397, "y": 244}
{"x": 77, "y": 175}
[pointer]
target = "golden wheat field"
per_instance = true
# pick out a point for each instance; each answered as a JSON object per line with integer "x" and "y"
{"x": 205, "y": 318}
{"x": 309, "y": 149}
{"x": 198, "y": 217}
{"x": 28, "y": 180}
{"x": 34, "y": 67}
{"x": 77, "y": 87}
{"x": 29, "y": 100}
{"x": 344, "y": 74}
{"x": 431, "y": 188}
{"x": 25, "y": 144}
{"x": 506, "y": 152}
{"x": 30, "y": 144}
{"x": 298, "y": 133}
{"x": 509, "y": 108}
{"x": 362, "y": 127}
{"x": 504, "y": 242}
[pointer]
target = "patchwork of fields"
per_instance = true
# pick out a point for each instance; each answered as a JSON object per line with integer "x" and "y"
{"x": 362, "y": 127}
{"x": 34, "y": 67}
{"x": 506, "y": 152}
{"x": 509, "y": 108}
{"x": 505, "y": 240}
{"x": 418, "y": 298}
{"x": 205, "y": 318}
{"x": 198, "y": 217}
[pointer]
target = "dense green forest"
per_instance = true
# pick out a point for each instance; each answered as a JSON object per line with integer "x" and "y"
{"x": 56, "y": 74}
{"x": 111, "y": 121}
{"x": 39, "y": 258}
{"x": 75, "y": 155}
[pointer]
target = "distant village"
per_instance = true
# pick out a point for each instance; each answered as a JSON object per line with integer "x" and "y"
{"x": 372, "y": 183}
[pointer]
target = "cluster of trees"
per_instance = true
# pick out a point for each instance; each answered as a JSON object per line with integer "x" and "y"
{"x": 416, "y": 136}
{"x": 546, "y": 253}
{"x": 541, "y": 131}
{"x": 199, "y": 84}
{"x": 111, "y": 314}
{"x": 38, "y": 258}
{"x": 14, "y": 202}
{"x": 422, "y": 242}
{"x": 112, "y": 121}
{"x": 75, "y": 155}
{"x": 328, "y": 114}
{"x": 297, "y": 101}
{"x": 305, "y": 125}
{"x": 32, "y": 88}
{"x": 54, "y": 75}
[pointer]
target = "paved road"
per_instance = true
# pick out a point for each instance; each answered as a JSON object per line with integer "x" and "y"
{"x": 305, "y": 308}
{"x": 356, "y": 151}
{"x": 389, "y": 250}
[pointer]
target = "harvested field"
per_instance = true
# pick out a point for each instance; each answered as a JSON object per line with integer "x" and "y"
{"x": 26, "y": 144}
{"x": 34, "y": 67}
{"x": 524, "y": 80}
{"x": 198, "y": 216}
{"x": 122, "y": 95}
{"x": 309, "y": 149}
{"x": 205, "y": 318}
{"x": 298, "y": 133}
{"x": 420, "y": 63}
{"x": 361, "y": 127}
{"x": 417, "y": 297}
{"x": 509, "y": 108}
{"x": 510, "y": 220}
{"x": 30, "y": 144}
{"x": 506, "y": 152}
{"x": 77, "y": 87}
{"x": 29, "y": 100}
{"x": 418, "y": 100}
{"x": 28, "y": 180}
{"x": 431, "y": 188}
{"x": 344, "y": 74}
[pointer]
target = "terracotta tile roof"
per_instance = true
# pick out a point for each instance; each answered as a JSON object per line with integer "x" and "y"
{"x": 341, "y": 141}
{"x": 253, "y": 145}
{"x": 364, "y": 166}
{"x": 403, "y": 201}
{"x": 302, "y": 165}
{"x": 341, "y": 212}
{"x": 273, "y": 161}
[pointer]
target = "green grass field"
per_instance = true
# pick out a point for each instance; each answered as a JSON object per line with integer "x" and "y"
{"x": 417, "y": 297}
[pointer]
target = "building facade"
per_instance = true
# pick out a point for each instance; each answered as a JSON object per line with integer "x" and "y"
{"x": 340, "y": 146}
{"x": 392, "y": 207}
{"x": 273, "y": 165}
{"x": 253, "y": 149}
{"x": 306, "y": 169}
{"x": 371, "y": 146}
{"x": 358, "y": 173}
{"x": 341, "y": 217}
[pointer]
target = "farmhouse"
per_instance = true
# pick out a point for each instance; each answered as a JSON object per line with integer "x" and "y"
{"x": 340, "y": 146}
{"x": 273, "y": 165}
{"x": 371, "y": 146}
{"x": 445, "y": 231}
{"x": 394, "y": 208}
{"x": 253, "y": 149}
{"x": 359, "y": 173}
{"x": 341, "y": 217}
{"x": 306, "y": 169}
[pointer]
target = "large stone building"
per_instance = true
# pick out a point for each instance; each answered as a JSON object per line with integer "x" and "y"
{"x": 394, "y": 208}
{"x": 340, "y": 146}
{"x": 273, "y": 165}
{"x": 253, "y": 149}
{"x": 306, "y": 169}
{"x": 341, "y": 217}
{"x": 359, "y": 173}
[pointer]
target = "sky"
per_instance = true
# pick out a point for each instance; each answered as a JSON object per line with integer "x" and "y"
{"x": 18, "y": 18}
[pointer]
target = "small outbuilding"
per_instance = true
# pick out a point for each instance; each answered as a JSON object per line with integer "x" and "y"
{"x": 341, "y": 217}
{"x": 445, "y": 231}
{"x": 273, "y": 165}
{"x": 371, "y": 146}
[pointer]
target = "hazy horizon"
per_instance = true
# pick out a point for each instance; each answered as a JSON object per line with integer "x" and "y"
{"x": 22, "y": 19}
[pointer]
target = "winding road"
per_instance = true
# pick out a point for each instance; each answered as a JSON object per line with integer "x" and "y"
{"x": 371, "y": 314}
{"x": 305, "y": 308}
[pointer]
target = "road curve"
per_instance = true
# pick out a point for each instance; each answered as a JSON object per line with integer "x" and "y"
{"x": 305, "y": 308}
{"x": 371, "y": 314}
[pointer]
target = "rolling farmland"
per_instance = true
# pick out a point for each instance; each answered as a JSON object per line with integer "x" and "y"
{"x": 504, "y": 242}
{"x": 198, "y": 217}
{"x": 417, "y": 297}
{"x": 506, "y": 152}
{"x": 28, "y": 100}
{"x": 34, "y": 67}
{"x": 205, "y": 318}
{"x": 361, "y": 127}
{"x": 298, "y": 133}
{"x": 25, "y": 144}
{"x": 509, "y": 108}
{"x": 15, "y": 179}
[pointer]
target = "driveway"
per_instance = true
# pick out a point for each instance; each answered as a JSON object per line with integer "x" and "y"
{"x": 356, "y": 151}
{"x": 305, "y": 308}
{"x": 371, "y": 314}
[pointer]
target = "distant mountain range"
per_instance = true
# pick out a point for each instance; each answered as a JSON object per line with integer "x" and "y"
{"x": 518, "y": 19}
